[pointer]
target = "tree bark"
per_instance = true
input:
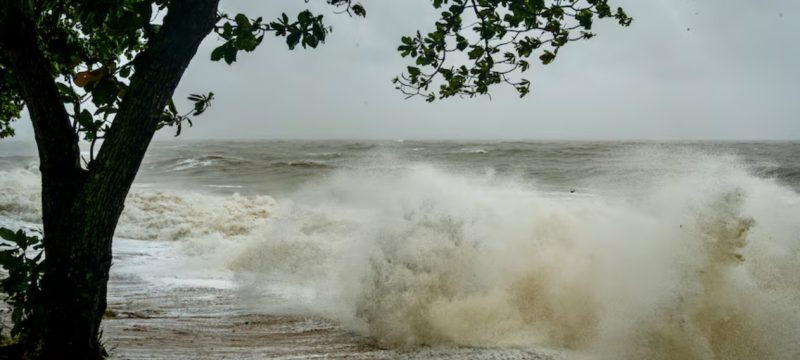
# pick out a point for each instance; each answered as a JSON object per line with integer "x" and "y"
{"x": 80, "y": 209}
{"x": 57, "y": 144}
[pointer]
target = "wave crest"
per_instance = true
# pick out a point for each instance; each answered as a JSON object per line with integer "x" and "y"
{"x": 174, "y": 216}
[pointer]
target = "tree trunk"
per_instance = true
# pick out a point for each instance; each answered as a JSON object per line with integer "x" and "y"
{"x": 74, "y": 287}
{"x": 80, "y": 208}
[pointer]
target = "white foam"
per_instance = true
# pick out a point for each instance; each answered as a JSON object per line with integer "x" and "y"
{"x": 187, "y": 164}
{"x": 475, "y": 151}
{"x": 700, "y": 264}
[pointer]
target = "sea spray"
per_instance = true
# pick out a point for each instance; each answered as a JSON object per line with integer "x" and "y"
{"x": 426, "y": 257}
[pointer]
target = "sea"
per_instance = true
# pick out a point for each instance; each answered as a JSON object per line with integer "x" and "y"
{"x": 450, "y": 249}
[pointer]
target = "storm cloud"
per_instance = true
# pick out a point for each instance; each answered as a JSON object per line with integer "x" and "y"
{"x": 685, "y": 69}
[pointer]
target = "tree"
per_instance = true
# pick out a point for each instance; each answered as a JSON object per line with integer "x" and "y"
{"x": 90, "y": 70}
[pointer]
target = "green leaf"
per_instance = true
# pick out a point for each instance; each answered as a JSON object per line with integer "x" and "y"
{"x": 310, "y": 41}
{"x": 547, "y": 57}
{"x": 125, "y": 72}
{"x": 218, "y": 53}
{"x": 66, "y": 92}
{"x": 104, "y": 91}
{"x": 171, "y": 107}
{"x": 7, "y": 234}
{"x": 318, "y": 31}
{"x": 242, "y": 20}
{"x": 475, "y": 53}
{"x": 21, "y": 285}
{"x": 229, "y": 54}
{"x": 584, "y": 18}
{"x": 86, "y": 119}
{"x": 304, "y": 17}
{"x": 293, "y": 39}
{"x": 461, "y": 43}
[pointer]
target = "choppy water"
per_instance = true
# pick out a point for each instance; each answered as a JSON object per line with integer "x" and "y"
{"x": 592, "y": 250}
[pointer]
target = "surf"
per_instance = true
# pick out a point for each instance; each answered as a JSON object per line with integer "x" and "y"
{"x": 675, "y": 254}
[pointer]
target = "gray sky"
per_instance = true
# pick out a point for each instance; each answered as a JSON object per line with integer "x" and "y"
{"x": 686, "y": 69}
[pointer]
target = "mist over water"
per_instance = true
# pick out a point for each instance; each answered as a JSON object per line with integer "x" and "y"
{"x": 590, "y": 250}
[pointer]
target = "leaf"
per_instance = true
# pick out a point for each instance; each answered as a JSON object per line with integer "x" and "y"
{"x": 359, "y": 10}
{"x": 122, "y": 89}
{"x": 125, "y": 72}
{"x": 218, "y": 53}
{"x": 178, "y": 132}
{"x": 304, "y": 17}
{"x": 475, "y": 53}
{"x": 246, "y": 42}
{"x": 310, "y": 41}
{"x": 6, "y": 234}
{"x": 21, "y": 285}
{"x": 293, "y": 39}
{"x": 547, "y": 57}
{"x": 461, "y": 43}
{"x": 171, "y": 106}
{"x": 229, "y": 54}
{"x": 86, "y": 119}
{"x": 104, "y": 91}
{"x": 242, "y": 20}
{"x": 82, "y": 78}
{"x": 318, "y": 30}
{"x": 67, "y": 94}
{"x": 584, "y": 18}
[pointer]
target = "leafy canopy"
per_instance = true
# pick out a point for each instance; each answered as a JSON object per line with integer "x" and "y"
{"x": 21, "y": 257}
{"x": 92, "y": 46}
{"x": 498, "y": 38}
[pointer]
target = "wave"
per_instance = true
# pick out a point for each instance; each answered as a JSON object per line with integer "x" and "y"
{"x": 160, "y": 215}
{"x": 184, "y": 164}
{"x": 152, "y": 214}
{"x": 474, "y": 151}
{"x": 20, "y": 197}
{"x": 704, "y": 267}
{"x": 699, "y": 263}
{"x": 307, "y": 164}
{"x": 325, "y": 154}
{"x": 190, "y": 164}
{"x": 225, "y": 186}
{"x": 360, "y": 146}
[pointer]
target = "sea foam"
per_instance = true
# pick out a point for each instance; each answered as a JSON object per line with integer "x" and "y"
{"x": 700, "y": 264}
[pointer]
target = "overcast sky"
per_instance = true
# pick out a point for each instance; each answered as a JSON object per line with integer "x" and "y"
{"x": 685, "y": 69}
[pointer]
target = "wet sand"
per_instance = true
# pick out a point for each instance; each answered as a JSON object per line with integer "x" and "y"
{"x": 174, "y": 326}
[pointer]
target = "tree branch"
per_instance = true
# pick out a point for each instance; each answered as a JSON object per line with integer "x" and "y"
{"x": 158, "y": 71}
{"x": 57, "y": 144}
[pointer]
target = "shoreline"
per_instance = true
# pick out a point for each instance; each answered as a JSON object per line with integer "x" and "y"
{"x": 146, "y": 320}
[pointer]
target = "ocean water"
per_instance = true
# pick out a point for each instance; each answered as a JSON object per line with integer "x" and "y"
{"x": 584, "y": 250}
